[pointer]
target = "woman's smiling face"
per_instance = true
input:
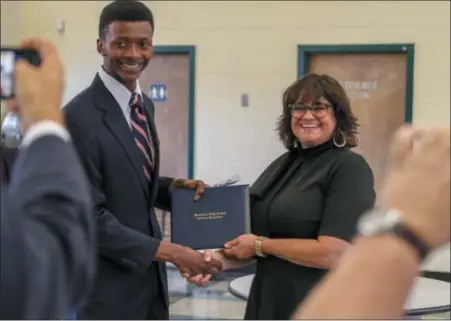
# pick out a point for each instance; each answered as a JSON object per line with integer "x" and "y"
{"x": 312, "y": 121}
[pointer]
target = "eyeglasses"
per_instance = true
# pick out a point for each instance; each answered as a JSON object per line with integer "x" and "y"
{"x": 317, "y": 109}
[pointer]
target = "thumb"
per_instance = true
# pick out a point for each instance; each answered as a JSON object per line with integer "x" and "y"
{"x": 22, "y": 66}
{"x": 24, "y": 73}
{"x": 231, "y": 243}
{"x": 208, "y": 255}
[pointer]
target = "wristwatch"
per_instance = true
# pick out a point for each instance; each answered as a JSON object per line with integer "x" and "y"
{"x": 258, "y": 246}
{"x": 379, "y": 221}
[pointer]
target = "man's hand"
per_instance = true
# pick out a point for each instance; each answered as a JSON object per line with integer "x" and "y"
{"x": 228, "y": 263}
{"x": 198, "y": 185}
{"x": 418, "y": 182}
{"x": 12, "y": 105}
{"x": 191, "y": 263}
{"x": 202, "y": 280}
{"x": 187, "y": 260}
{"x": 39, "y": 90}
{"x": 242, "y": 247}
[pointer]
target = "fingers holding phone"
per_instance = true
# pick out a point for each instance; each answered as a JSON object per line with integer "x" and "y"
{"x": 38, "y": 79}
{"x": 40, "y": 88}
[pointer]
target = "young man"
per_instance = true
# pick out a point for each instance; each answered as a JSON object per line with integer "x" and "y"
{"x": 111, "y": 123}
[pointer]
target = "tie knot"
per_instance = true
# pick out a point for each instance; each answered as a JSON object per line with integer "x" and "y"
{"x": 136, "y": 100}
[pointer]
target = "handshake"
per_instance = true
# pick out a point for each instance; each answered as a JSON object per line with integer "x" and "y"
{"x": 198, "y": 267}
{"x": 194, "y": 266}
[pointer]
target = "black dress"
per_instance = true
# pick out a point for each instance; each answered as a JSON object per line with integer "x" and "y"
{"x": 304, "y": 194}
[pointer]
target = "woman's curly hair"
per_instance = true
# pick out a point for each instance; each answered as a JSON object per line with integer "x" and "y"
{"x": 310, "y": 89}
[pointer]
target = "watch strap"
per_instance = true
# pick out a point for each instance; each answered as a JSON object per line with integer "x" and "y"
{"x": 258, "y": 246}
{"x": 402, "y": 231}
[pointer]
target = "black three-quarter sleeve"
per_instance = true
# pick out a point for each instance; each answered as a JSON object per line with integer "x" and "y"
{"x": 349, "y": 193}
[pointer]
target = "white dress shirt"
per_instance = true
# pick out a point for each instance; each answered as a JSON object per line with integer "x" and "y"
{"x": 119, "y": 92}
{"x": 122, "y": 95}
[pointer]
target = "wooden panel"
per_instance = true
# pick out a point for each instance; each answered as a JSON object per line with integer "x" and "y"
{"x": 376, "y": 84}
{"x": 171, "y": 116}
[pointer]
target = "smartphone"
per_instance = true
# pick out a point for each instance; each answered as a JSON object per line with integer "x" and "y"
{"x": 9, "y": 56}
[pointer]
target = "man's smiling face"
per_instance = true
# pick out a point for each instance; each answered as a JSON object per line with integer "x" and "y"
{"x": 126, "y": 49}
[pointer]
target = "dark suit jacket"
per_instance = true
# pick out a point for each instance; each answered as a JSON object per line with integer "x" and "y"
{"x": 128, "y": 232}
{"x": 47, "y": 234}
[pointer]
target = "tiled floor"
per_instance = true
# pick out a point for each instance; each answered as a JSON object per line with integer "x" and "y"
{"x": 214, "y": 301}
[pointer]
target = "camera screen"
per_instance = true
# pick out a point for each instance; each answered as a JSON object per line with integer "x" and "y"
{"x": 8, "y": 59}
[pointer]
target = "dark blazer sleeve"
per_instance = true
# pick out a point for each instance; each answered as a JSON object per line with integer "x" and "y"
{"x": 164, "y": 199}
{"x": 349, "y": 193}
{"x": 48, "y": 249}
{"x": 116, "y": 241}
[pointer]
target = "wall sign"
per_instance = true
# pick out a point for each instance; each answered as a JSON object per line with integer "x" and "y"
{"x": 158, "y": 92}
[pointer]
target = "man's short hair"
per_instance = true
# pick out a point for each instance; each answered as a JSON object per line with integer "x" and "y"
{"x": 123, "y": 10}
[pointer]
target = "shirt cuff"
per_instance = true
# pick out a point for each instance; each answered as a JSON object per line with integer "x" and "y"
{"x": 44, "y": 128}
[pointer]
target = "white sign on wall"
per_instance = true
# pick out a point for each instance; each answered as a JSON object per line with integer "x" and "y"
{"x": 158, "y": 92}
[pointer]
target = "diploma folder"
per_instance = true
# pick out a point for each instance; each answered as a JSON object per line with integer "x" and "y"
{"x": 222, "y": 214}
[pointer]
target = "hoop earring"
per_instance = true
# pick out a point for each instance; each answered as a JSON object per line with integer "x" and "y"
{"x": 343, "y": 143}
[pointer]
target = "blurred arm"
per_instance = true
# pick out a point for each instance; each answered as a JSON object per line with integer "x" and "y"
{"x": 46, "y": 228}
{"x": 371, "y": 282}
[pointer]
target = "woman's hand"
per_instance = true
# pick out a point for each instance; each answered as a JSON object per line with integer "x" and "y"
{"x": 228, "y": 263}
{"x": 242, "y": 247}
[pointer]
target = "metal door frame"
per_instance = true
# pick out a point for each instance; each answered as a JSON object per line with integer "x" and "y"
{"x": 306, "y": 51}
{"x": 191, "y": 52}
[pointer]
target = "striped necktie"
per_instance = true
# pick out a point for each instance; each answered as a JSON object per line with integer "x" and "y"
{"x": 140, "y": 132}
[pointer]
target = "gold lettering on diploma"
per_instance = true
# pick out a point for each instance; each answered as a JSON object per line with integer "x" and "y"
{"x": 209, "y": 215}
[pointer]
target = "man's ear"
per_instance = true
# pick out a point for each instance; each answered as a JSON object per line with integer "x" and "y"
{"x": 101, "y": 47}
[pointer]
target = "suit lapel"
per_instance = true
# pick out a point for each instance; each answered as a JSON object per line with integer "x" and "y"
{"x": 153, "y": 131}
{"x": 115, "y": 121}
{"x": 149, "y": 109}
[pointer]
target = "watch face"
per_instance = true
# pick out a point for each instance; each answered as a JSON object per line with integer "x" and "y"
{"x": 378, "y": 221}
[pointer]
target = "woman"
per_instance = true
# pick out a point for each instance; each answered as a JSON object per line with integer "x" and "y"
{"x": 306, "y": 204}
